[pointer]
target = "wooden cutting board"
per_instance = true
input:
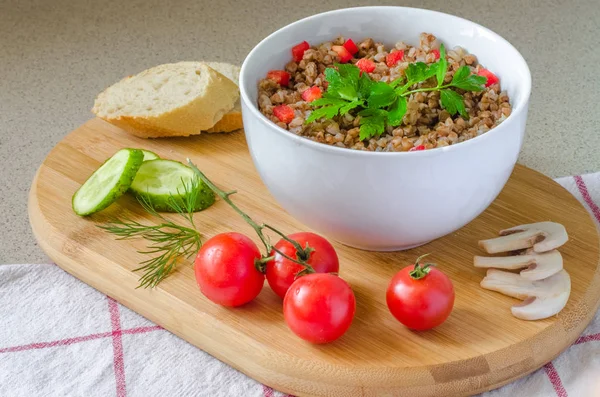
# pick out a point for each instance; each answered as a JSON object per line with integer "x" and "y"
{"x": 480, "y": 347}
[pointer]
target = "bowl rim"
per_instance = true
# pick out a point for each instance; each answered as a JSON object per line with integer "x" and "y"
{"x": 300, "y": 140}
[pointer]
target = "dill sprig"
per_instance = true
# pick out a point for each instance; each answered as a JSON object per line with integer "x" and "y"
{"x": 168, "y": 241}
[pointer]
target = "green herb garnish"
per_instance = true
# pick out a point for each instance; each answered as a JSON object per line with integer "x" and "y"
{"x": 168, "y": 242}
{"x": 380, "y": 104}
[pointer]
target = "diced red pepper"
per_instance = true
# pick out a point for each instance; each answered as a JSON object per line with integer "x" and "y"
{"x": 281, "y": 77}
{"x": 393, "y": 58}
{"x": 342, "y": 52}
{"x": 436, "y": 53}
{"x": 415, "y": 148}
{"x": 351, "y": 47}
{"x": 311, "y": 94}
{"x": 366, "y": 65}
{"x": 298, "y": 50}
{"x": 491, "y": 77}
{"x": 284, "y": 113}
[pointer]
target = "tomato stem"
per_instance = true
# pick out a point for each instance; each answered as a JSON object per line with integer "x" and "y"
{"x": 420, "y": 271}
{"x": 289, "y": 240}
{"x": 302, "y": 253}
{"x": 261, "y": 264}
{"x": 265, "y": 259}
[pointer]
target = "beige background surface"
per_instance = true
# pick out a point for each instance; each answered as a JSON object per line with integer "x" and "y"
{"x": 56, "y": 55}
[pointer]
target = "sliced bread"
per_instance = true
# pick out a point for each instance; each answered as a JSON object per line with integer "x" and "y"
{"x": 232, "y": 120}
{"x": 176, "y": 99}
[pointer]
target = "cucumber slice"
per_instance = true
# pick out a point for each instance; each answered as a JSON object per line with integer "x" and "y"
{"x": 108, "y": 182}
{"x": 161, "y": 181}
{"x": 148, "y": 155}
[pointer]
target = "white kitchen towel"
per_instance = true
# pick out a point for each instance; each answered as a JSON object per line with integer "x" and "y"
{"x": 60, "y": 337}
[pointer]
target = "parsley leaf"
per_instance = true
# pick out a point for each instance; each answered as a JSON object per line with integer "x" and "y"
{"x": 382, "y": 104}
{"x": 351, "y": 105}
{"x": 416, "y": 73}
{"x": 372, "y": 112}
{"x": 341, "y": 95}
{"x": 331, "y": 106}
{"x": 381, "y": 95}
{"x": 339, "y": 86}
{"x": 328, "y": 112}
{"x": 348, "y": 93}
{"x": 453, "y": 102}
{"x": 461, "y": 74}
{"x": 333, "y": 77}
{"x": 349, "y": 72}
{"x": 463, "y": 79}
{"x": 364, "y": 86}
{"x": 419, "y": 71}
{"x": 372, "y": 123}
{"x": 370, "y": 127}
{"x": 327, "y": 99}
{"x": 397, "y": 82}
{"x": 397, "y": 111}
{"x": 442, "y": 67}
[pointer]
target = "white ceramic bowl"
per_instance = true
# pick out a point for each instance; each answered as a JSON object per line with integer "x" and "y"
{"x": 384, "y": 200}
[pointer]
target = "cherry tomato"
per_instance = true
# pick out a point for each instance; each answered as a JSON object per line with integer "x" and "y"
{"x": 421, "y": 298}
{"x": 351, "y": 47}
{"x": 281, "y": 272}
{"x": 284, "y": 113}
{"x": 366, "y": 65}
{"x": 491, "y": 77}
{"x": 299, "y": 49}
{"x": 225, "y": 269}
{"x": 281, "y": 77}
{"x": 312, "y": 94}
{"x": 394, "y": 57}
{"x": 342, "y": 52}
{"x": 319, "y": 307}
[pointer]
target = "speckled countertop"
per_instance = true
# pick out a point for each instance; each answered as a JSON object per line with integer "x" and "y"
{"x": 55, "y": 56}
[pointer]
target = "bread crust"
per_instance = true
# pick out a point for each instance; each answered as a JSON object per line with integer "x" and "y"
{"x": 219, "y": 96}
{"x": 232, "y": 120}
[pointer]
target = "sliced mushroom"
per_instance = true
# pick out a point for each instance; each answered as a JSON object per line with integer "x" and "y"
{"x": 542, "y": 236}
{"x": 538, "y": 265}
{"x": 541, "y": 299}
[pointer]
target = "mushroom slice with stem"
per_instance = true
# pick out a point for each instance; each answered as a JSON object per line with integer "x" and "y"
{"x": 537, "y": 266}
{"x": 541, "y": 299}
{"x": 541, "y": 236}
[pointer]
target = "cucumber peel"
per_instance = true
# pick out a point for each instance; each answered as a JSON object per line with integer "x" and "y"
{"x": 148, "y": 155}
{"x": 167, "y": 185}
{"x": 107, "y": 183}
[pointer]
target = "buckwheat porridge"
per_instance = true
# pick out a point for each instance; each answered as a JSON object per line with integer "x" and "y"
{"x": 366, "y": 96}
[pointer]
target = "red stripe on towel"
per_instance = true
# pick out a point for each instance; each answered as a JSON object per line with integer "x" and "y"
{"x": 62, "y": 342}
{"x": 117, "y": 341}
{"x": 587, "y": 338}
{"x": 77, "y": 339}
{"x": 555, "y": 380}
{"x": 141, "y": 330}
{"x": 586, "y": 196}
{"x": 267, "y": 391}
